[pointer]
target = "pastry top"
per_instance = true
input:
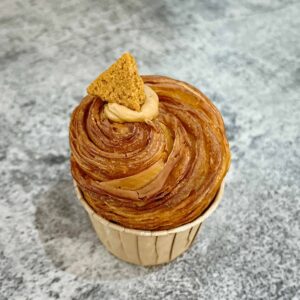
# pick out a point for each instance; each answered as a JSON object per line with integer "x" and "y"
{"x": 120, "y": 113}
{"x": 120, "y": 84}
{"x": 152, "y": 175}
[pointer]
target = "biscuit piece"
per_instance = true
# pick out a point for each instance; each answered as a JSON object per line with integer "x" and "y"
{"x": 120, "y": 83}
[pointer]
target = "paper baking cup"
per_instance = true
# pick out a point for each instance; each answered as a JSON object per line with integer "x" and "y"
{"x": 146, "y": 248}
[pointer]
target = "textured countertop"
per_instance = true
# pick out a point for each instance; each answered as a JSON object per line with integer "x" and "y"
{"x": 245, "y": 55}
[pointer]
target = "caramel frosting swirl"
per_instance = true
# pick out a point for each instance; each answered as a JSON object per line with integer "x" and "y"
{"x": 156, "y": 175}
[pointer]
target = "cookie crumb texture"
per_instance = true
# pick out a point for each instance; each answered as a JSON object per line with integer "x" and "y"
{"x": 120, "y": 84}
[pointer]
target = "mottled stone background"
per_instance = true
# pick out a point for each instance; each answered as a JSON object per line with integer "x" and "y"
{"x": 245, "y": 55}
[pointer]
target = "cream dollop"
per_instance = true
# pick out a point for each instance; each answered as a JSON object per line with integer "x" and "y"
{"x": 120, "y": 113}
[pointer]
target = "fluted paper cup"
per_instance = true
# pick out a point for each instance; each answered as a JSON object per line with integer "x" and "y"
{"x": 147, "y": 248}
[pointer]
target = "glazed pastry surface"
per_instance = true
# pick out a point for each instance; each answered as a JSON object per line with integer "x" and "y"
{"x": 156, "y": 175}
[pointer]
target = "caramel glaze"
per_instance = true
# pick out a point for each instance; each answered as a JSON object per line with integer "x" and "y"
{"x": 196, "y": 158}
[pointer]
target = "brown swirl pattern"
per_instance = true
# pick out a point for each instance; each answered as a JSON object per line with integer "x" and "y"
{"x": 186, "y": 143}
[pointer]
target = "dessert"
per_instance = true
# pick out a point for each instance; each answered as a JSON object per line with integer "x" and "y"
{"x": 147, "y": 153}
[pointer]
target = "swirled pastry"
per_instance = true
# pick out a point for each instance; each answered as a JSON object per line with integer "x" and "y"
{"x": 151, "y": 175}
